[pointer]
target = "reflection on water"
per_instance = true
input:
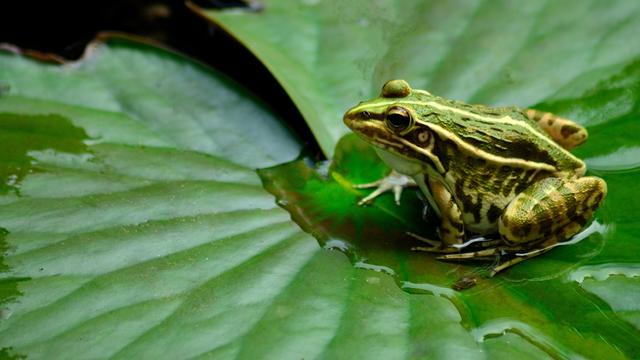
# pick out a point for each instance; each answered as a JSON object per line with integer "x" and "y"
{"x": 377, "y": 268}
{"x": 46, "y": 132}
{"x": 500, "y": 327}
{"x": 337, "y": 244}
{"x": 604, "y": 271}
{"x": 595, "y": 227}
{"x": 428, "y": 289}
{"x": 625, "y": 158}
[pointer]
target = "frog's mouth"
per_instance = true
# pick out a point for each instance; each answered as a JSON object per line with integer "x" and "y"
{"x": 386, "y": 144}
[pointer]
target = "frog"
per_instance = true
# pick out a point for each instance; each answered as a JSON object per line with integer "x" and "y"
{"x": 501, "y": 180}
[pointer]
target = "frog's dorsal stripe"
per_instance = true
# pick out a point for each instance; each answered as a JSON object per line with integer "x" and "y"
{"x": 500, "y": 120}
{"x": 423, "y": 92}
{"x": 516, "y": 162}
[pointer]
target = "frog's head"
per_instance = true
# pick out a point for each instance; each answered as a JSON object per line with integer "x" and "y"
{"x": 394, "y": 121}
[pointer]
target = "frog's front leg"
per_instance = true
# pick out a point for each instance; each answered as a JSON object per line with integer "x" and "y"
{"x": 451, "y": 226}
{"x": 394, "y": 182}
{"x": 565, "y": 132}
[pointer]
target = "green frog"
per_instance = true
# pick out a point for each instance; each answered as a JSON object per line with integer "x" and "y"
{"x": 483, "y": 170}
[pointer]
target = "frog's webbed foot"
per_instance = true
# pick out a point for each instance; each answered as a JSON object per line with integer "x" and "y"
{"x": 394, "y": 182}
{"x": 518, "y": 258}
{"x": 494, "y": 254}
{"x": 472, "y": 255}
{"x": 483, "y": 250}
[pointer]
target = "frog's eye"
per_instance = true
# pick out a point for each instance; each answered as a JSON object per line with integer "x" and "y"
{"x": 398, "y": 119}
{"x": 366, "y": 114}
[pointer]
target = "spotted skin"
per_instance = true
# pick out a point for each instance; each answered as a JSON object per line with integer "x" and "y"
{"x": 553, "y": 208}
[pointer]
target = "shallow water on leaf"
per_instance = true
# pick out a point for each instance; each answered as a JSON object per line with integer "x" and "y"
{"x": 53, "y": 132}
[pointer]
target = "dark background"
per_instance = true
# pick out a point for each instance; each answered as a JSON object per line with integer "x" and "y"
{"x": 65, "y": 27}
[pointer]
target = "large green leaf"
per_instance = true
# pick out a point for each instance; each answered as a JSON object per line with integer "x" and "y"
{"x": 135, "y": 232}
{"x": 330, "y": 54}
{"x": 132, "y": 221}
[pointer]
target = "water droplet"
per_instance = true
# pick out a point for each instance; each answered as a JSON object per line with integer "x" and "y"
{"x": 12, "y": 180}
{"x": 624, "y": 158}
{"x": 373, "y": 280}
{"x": 378, "y": 268}
{"x": 337, "y": 244}
{"x": 535, "y": 337}
{"x": 428, "y": 288}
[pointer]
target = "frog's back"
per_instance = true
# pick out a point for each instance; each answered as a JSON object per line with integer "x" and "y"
{"x": 501, "y": 132}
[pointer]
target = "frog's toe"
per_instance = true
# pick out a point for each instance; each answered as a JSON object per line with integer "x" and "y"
{"x": 517, "y": 259}
{"x": 377, "y": 192}
{"x": 394, "y": 182}
{"x": 472, "y": 255}
{"x": 434, "y": 249}
{"x": 433, "y": 243}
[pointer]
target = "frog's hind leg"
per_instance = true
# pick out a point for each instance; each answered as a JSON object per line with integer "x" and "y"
{"x": 547, "y": 207}
{"x": 473, "y": 255}
{"x": 546, "y": 213}
{"x": 565, "y": 132}
{"x": 540, "y": 248}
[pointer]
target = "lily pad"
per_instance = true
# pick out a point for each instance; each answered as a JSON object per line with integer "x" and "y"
{"x": 130, "y": 240}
